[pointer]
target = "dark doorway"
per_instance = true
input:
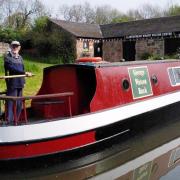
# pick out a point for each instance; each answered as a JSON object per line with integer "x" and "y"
{"x": 98, "y": 49}
{"x": 172, "y": 45}
{"x": 129, "y": 50}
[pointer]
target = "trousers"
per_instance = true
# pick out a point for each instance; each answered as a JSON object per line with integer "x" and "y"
{"x": 17, "y": 92}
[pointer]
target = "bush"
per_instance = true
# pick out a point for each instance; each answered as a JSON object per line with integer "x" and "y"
{"x": 156, "y": 57}
{"x": 9, "y": 34}
{"x": 149, "y": 56}
{"x": 146, "y": 56}
{"x": 173, "y": 56}
{"x": 50, "y": 42}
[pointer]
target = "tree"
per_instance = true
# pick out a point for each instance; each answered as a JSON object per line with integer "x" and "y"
{"x": 89, "y": 13}
{"x": 86, "y": 14}
{"x": 1, "y": 3}
{"x": 106, "y": 14}
{"x": 73, "y": 13}
{"x": 123, "y": 18}
{"x": 21, "y": 12}
{"x": 8, "y": 35}
{"x": 34, "y": 8}
{"x": 77, "y": 13}
{"x": 8, "y": 7}
{"x": 18, "y": 17}
{"x": 49, "y": 41}
{"x": 173, "y": 10}
{"x": 17, "y": 22}
{"x": 134, "y": 15}
{"x": 101, "y": 15}
{"x": 148, "y": 11}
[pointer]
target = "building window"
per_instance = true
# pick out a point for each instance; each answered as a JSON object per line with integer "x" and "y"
{"x": 86, "y": 45}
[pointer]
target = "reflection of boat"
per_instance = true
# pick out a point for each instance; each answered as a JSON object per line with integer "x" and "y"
{"x": 151, "y": 166}
{"x": 77, "y": 101}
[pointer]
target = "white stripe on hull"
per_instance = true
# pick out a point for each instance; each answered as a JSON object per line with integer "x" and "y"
{"x": 83, "y": 123}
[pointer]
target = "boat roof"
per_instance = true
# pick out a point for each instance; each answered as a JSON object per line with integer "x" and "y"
{"x": 113, "y": 64}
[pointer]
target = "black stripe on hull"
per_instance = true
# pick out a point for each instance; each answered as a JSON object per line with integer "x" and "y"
{"x": 141, "y": 122}
{"x": 137, "y": 123}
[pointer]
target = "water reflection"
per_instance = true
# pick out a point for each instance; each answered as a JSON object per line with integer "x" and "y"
{"x": 172, "y": 175}
{"x": 146, "y": 154}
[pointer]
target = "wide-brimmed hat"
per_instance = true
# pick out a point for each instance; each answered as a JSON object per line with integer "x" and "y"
{"x": 15, "y": 43}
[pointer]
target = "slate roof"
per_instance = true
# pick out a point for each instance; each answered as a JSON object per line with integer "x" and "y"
{"x": 140, "y": 27}
{"x": 80, "y": 29}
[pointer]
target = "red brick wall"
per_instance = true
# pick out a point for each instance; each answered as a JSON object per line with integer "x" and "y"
{"x": 151, "y": 46}
{"x": 82, "y": 52}
{"x": 113, "y": 50}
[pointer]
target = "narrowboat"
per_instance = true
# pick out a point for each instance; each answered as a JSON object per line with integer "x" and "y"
{"x": 78, "y": 102}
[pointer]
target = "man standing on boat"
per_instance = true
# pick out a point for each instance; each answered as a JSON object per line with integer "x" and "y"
{"x": 13, "y": 64}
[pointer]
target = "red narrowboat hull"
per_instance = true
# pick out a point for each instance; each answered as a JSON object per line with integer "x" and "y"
{"x": 46, "y": 147}
{"x": 103, "y": 95}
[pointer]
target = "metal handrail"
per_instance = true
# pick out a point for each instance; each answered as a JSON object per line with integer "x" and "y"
{"x": 42, "y": 96}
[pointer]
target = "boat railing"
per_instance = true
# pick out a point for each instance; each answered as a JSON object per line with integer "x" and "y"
{"x": 68, "y": 95}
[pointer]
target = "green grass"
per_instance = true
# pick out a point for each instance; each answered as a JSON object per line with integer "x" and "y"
{"x": 32, "y": 83}
{"x": 46, "y": 60}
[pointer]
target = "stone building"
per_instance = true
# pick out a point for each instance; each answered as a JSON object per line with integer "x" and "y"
{"x": 86, "y": 37}
{"x": 130, "y": 40}
{"x": 3, "y": 48}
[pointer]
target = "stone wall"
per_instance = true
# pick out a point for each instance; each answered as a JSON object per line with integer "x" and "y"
{"x": 81, "y": 52}
{"x": 3, "y": 48}
{"x": 113, "y": 50}
{"x": 151, "y": 46}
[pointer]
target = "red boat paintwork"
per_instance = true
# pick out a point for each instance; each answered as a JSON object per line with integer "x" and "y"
{"x": 95, "y": 87}
{"x": 46, "y": 147}
{"x": 108, "y": 87}
{"x": 109, "y": 92}
{"x": 59, "y": 81}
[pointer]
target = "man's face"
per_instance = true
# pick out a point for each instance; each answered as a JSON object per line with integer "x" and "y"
{"x": 15, "y": 48}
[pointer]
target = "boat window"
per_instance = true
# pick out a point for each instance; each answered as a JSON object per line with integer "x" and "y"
{"x": 154, "y": 79}
{"x": 174, "y": 75}
{"x": 125, "y": 84}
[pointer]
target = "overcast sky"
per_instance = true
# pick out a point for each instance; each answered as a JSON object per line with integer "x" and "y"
{"x": 121, "y": 5}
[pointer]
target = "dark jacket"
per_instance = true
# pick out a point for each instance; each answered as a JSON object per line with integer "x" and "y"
{"x": 14, "y": 66}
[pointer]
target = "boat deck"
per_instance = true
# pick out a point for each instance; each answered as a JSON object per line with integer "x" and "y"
{"x": 28, "y": 115}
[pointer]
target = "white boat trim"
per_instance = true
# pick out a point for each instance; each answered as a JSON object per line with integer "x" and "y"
{"x": 79, "y": 124}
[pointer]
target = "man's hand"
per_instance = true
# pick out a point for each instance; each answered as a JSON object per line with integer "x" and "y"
{"x": 28, "y": 74}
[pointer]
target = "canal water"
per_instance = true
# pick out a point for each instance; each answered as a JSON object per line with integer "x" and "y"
{"x": 147, "y": 154}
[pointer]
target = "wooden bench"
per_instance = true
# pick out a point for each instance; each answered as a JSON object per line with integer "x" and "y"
{"x": 37, "y": 97}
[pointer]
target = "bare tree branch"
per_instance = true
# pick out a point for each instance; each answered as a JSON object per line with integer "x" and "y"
{"x": 148, "y": 11}
{"x": 20, "y": 13}
{"x": 85, "y": 13}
